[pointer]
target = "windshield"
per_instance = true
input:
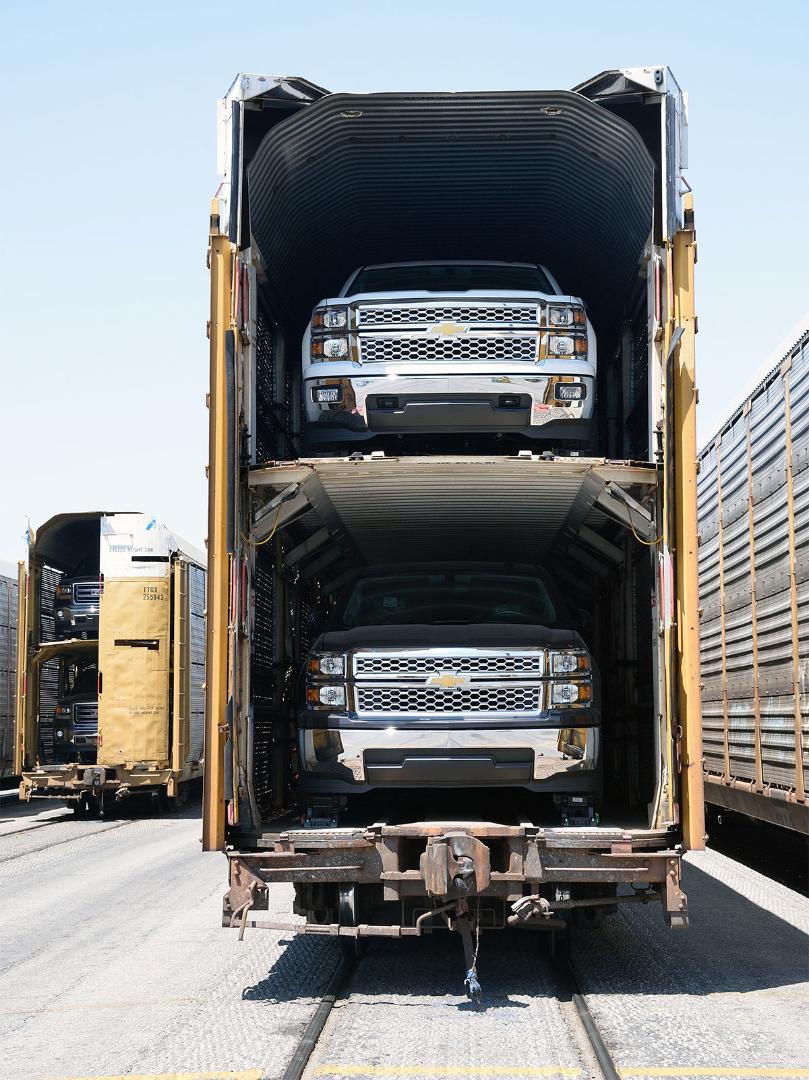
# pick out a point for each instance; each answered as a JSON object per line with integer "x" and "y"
{"x": 450, "y": 277}
{"x": 80, "y": 682}
{"x": 449, "y": 597}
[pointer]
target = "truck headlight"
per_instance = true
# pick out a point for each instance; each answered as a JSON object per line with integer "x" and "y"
{"x": 329, "y": 697}
{"x": 570, "y": 693}
{"x": 565, "y": 315}
{"x": 330, "y": 318}
{"x": 330, "y": 664}
{"x": 564, "y": 663}
{"x": 566, "y": 345}
{"x": 330, "y": 348}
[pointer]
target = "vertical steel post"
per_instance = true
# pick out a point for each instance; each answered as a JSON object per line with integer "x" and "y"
{"x": 800, "y": 788}
{"x": 22, "y": 712}
{"x": 216, "y": 622}
{"x": 685, "y": 473}
{"x": 722, "y": 625}
{"x": 751, "y": 548}
{"x": 181, "y": 667}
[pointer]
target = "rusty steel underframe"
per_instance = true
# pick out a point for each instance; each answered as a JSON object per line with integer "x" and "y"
{"x": 73, "y": 780}
{"x": 449, "y": 865}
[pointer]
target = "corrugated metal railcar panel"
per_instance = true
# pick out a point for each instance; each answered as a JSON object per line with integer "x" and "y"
{"x": 196, "y": 718}
{"x": 8, "y": 672}
{"x": 754, "y": 585}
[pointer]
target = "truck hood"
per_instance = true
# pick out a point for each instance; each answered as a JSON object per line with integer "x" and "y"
{"x": 481, "y": 635}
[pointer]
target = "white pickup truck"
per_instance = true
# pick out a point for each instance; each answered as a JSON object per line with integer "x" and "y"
{"x": 424, "y": 348}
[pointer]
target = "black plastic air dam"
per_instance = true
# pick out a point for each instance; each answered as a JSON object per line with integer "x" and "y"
{"x": 539, "y": 176}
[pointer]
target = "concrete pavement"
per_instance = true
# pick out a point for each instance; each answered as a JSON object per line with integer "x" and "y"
{"x": 113, "y": 964}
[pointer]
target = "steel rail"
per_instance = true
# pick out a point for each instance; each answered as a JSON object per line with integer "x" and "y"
{"x": 58, "y": 843}
{"x": 567, "y": 986}
{"x": 67, "y": 816}
{"x": 566, "y": 975}
{"x": 314, "y": 1029}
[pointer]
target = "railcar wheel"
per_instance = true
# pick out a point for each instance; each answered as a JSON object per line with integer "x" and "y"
{"x": 348, "y": 915}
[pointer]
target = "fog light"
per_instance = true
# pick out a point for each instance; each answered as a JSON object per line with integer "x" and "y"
{"x": 570, "y": 391}
{"x": 387, "y": 403}
{"x": 327, "y": 394}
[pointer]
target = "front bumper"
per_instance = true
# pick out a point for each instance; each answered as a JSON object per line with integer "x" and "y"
{"x": 546, "y": 759}
{"x": 75, "y": 621}
{"x": 399, "y": 404}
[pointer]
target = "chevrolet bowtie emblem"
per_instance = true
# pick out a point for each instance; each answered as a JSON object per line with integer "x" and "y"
{"x": 447, "y": 680}
{"x": 446, "y": 329}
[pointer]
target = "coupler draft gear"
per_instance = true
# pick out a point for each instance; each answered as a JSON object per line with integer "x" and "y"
{"x": 458, "y": 866}
{"x": 455, "y": 865}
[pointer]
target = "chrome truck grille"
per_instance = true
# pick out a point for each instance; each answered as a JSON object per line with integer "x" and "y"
{"x": 469, "y": 682}
{"x": 379, "y": 349}
{"x": 85, "y": 719}
{"x": 482, "y": 663}
{"x": 379, "y": 316}
{"x": 382, "y": 700}
{"x": 86, "y": 592}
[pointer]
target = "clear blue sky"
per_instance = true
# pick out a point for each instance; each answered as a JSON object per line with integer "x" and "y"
{"x": 109, "y": 168}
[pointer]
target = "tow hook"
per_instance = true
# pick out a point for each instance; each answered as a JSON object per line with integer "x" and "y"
{"x": 122, "y": 793}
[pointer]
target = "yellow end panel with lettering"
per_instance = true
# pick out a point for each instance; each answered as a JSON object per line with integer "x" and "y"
{"x": 133, "y": 660}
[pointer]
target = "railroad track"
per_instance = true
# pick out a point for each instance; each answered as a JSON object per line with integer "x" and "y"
{"x": 108, "y": 827}
{"x": 66, "y": 816}
{"x": 558, "y": 965}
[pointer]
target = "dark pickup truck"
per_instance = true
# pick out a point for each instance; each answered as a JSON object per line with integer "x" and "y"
{"x": 451, "y": 675}
{"x": 75, "y": 720}
{"x": 75, "y": 606}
